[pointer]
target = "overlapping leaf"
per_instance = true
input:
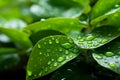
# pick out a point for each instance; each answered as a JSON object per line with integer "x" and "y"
{"x": 108, "y": 56}
{"x": 20, "y": 38}
{"x": 106, "y": 15}
{"x": 97, "y": 37}
{"x": 49, "y": 54}
{"x": 64, "y": 25}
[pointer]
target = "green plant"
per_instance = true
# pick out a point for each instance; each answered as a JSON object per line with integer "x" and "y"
{"x": 70, "y": 44}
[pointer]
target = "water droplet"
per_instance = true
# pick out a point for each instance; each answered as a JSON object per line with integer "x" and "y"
{"x": 88, "y": 38}
{"x": 66, "y": 52}
{"x": 104, "y": 41}
{"x": 40, "y": 74}
{"x": 29, "y": 73}
{"x": 57, "y": 41}
{"x": 63, "y": 79}
{"x": 89, "y": 42}
{"x": 60, "y": 49}
{"x": 40, "y": 53}
{"x": 99, "y": 57}
{"x": 67, "y": 45}
{"x": 60, "y": 59}
{"x": 49, "y": 62}
{"x": 109, "y": 54}
{"x": 112, "y": 65}
{"x": 81, "y": 40}
{"x": 42, "y": 19}
{"x": 45, "y": 43}
{"x": 53, "y": 38}
{"x": 55, "y": 64}
{"x": 39, "y": 46}
{"x": 50, "y": 42}
{"x": 95, "y": 44}
{"x": 70, "y": 56}
{"x": 52, "y": 59}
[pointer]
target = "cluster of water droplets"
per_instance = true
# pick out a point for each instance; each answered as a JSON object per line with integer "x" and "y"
{"x": 91, "y": 41}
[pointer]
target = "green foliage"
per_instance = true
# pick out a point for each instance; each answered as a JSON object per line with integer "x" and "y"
{"x": 62, "y": 37}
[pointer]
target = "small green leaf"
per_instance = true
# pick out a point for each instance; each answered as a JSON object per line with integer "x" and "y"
{"x": 49, "y": 54}
{"x": 109, "y": 15}
{"x": 4, "y": 51}
{"x": 43, "y": 33}
{"x": 64, "y": 25}
{"x": 17, "y": 36}
{"x": 97, "y": 37}
{"x": 108, "y": 56}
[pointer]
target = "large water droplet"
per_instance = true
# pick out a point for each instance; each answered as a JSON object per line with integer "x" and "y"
{"x": 60, "y": 59}
{"x": 60, "y": 49}
{"x": 55, "y": 64}
{"x": 95, "y": 44}
{"x": 112, "y": 65}
{"x": 88, "y": 38}
{"x": 89, "y": 42}
{"x": 67, "y": 45}
{"x": 39, "y": 46}
{"x": 53, "y": 38}
{"x": 71, "y": 56}
{"x": 52, "y": 59}
{"x": 109, "y": 54}
{"x": 29, "y": 73}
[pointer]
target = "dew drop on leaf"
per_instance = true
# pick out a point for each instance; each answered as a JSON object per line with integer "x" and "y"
{"x": 29, "y": 73}
{"x": 55, "y": 64}
{"x": 109, "y": 54}
{"x": 49, "y": 62}
{"x": 56, "y": 41}
{"x": 40, "y": 53}
{"x": 99, "y": 57}
{"x": 50, "y": 42}
{"x": 89, "y": 38}
{"x": 39, "y": 46}
{"x": 67, "y": 45}
{"x": 111, "y": 64}
{"x": 66, "y": 52}
{"x": 104, "y": 41}
{"x": 60, "y": 59}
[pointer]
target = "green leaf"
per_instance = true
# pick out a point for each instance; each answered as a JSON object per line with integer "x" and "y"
{"x": 49, "y": 54}
{"x": 109, "y": 15}
{"x": 64, "y": 25}
{"x": 43, "y": 33}
{"x": 8, "y": 58}
{"x": 108, "y": 56}
{"x": 7, "y": 51}
{"x": 73, "y": 71}
{"x": 98, "y": 37}
{"x": 17, "y": 36}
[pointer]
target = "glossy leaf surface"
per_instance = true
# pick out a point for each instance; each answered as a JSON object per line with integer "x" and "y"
{"x": 108, "y": 56}
{"x": 49, "y": 54}
{"x": 97, "y": 37}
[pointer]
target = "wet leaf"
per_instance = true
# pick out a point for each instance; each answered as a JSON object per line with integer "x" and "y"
{"x": 64, "y": 25}
{"x": 109, "y": 15}
{"x": 108, "y": 56}
{"x": 43, "y": 33}
{"x": 17, "y": 36}
{"x": 97, "y": 37}
{"x": 49, "y": 54}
